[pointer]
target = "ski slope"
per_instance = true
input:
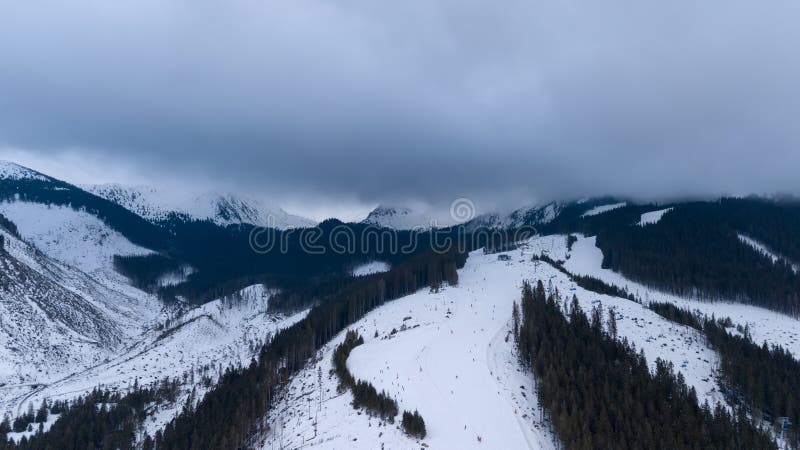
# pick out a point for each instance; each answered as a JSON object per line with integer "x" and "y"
{"x": 452, "y": 358}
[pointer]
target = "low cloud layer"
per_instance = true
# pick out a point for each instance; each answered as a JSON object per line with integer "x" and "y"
{"x": 321, "y": 102}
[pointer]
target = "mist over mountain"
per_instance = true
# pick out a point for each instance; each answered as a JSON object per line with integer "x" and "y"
{"x": 365, "y": 225}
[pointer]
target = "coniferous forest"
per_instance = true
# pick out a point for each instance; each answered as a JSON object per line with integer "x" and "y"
{"x": 599, "y": 392}
{"x": 695, "y": 250}
{"x": 762, "y": 379}
{"x": 98, "y": 420}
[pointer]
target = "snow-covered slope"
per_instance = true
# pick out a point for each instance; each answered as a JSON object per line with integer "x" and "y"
{"x": 57, "y": 319}
{"x": 201, "y": 343}
{"x": 453, "y": 359}
{"x": 73, "y": 237}
{"x": 157, "y": 205}
{"x": 526, "y": 216}
{"x": 449, "y": 357}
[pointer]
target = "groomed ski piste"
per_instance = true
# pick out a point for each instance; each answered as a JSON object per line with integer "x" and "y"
{"x": 448, "y": 354}
{"x": 452, "y": 357}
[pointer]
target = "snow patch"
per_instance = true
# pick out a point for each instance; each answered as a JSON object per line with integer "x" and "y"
{"x": 652, "y": 217}
{"x": 370, "y": 268}
{"x": 602, "y": 209}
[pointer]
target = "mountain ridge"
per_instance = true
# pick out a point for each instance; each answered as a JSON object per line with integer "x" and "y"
{"x": 156, "y": 206}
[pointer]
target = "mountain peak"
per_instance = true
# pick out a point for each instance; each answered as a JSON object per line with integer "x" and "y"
{"x": 399, "y": 218}
{"x": 13, "y": 171}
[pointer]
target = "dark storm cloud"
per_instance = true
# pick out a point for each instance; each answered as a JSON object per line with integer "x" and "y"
{"x": 385, "y": 101}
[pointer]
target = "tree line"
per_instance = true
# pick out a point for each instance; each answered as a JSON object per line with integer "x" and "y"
{"x": 588, "y": 282}
{"x": 364, "y": 393}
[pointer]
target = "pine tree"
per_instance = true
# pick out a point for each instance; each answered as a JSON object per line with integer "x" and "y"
{"x": 515, "y": 319}
{"x": 41, "y": 413}
{"x": 612, "y": 323}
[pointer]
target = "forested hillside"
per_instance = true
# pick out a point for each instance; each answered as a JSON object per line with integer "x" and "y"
{"x": 762, "y": 379}
{"x": 600, "y": 394}
{"x": 695, "y": 250}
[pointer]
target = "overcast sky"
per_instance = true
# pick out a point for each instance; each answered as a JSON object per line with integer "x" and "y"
{"x": 332, "y": 106}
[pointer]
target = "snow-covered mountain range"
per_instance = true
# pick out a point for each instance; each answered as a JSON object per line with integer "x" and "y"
{"x": 69, "y": 322}
{"x": 407, "y": 218}
{"x": 157, "y": 205}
